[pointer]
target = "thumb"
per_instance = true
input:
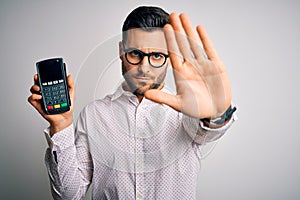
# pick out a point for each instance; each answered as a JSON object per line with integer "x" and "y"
{"x": 164, "y": 98}
{"x": 71, "y": 86}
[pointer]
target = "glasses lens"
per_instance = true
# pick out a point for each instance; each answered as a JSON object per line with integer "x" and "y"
{"x": 134, "y": 56}
{"x": 157, "y": 59}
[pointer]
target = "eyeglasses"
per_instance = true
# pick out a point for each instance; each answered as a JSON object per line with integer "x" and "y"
{"x": 155, "y": 59}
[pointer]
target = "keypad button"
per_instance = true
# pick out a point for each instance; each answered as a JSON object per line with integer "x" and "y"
{"x": 63, "y": 105}
{"x": 55, "y": 88}
{"x": 46, "y": 89}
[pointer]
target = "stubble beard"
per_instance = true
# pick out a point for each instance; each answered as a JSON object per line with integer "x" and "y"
{"x": 142, "y": 86}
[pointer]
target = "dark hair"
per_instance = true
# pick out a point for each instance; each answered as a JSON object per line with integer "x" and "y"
{"x": 146, "y": 17}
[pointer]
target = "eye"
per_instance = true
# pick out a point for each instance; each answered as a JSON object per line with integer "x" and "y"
{"x": 157, "y": 56}
{"x": 134, "y": 53}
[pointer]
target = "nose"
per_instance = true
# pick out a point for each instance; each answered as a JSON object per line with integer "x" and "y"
{"x": 144, "y": 65}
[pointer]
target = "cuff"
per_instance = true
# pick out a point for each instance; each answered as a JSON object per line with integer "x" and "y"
{"x": 60, "y": 140}
{"x": 202, "y": 134}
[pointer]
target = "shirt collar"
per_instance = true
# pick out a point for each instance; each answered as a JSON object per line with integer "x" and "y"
{"x": 120, "y": 91}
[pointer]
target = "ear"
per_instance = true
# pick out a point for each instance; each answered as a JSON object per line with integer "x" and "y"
{"x": 121, "y": 53}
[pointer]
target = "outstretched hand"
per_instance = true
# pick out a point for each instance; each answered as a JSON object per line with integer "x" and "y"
{"x": 202, "y": 83}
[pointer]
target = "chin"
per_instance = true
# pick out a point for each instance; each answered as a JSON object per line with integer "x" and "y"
{"x": 141, "y": 90}
{"x": 139, "y": 93}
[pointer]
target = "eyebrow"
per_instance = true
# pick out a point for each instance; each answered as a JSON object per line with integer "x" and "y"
{"x": 152, "y": 50}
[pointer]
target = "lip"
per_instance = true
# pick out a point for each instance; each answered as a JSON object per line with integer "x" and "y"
{"x": 142, "y": 78}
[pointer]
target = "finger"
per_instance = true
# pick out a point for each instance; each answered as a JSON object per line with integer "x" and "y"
{"x": 173, "y": 50}
{"x": 71, "y": 86}
{"x": 36, "y": 79}
{"x": 35, "y": 101}
{"x": 181, "y": 38}
{"x": 34, "y": 98}
{"x": 161, "y": 86}
{"x": 193, "y": 37}
{"x": 35, "y": 89}
{"x": 207, "y": 44}
{"x": 163, "y": 98}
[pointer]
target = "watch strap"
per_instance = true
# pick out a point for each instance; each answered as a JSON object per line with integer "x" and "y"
{"x": 223, "y": 118}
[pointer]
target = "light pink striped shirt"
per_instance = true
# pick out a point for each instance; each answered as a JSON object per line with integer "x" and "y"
{"x": 128, "y": 150}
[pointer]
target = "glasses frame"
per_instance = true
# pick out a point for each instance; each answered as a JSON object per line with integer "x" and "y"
{"x": 143, "y": 54}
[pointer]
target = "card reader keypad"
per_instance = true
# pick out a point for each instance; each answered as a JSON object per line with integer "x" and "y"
{"x": 55, "y": 95}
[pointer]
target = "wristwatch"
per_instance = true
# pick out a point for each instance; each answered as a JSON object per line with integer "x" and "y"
{"x": 223, "y": 118}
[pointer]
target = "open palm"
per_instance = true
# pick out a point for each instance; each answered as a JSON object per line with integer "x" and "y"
{"x": 202, "y": 83}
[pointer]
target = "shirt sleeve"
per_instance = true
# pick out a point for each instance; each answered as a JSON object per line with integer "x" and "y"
{"x": 202, "y": 134}
{"x": 68, "y": 162}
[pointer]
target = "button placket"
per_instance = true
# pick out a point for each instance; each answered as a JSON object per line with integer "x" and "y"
{"x": 139, "y": 156}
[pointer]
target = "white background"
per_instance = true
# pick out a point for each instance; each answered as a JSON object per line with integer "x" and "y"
{"x": 258, "y": 41}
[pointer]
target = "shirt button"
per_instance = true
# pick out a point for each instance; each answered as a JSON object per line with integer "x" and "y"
{"x": 139, "y": 195}
{"x": 139, "y": 166}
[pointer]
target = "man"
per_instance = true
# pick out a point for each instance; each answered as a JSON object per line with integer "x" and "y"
{"x": 143, "y": 142}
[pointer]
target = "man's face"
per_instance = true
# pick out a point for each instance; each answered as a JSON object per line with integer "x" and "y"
{"x": 143, "y": 76}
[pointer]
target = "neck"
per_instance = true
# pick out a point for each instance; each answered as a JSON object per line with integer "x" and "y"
{"x": 127, "y": 88}
{"x": 140, "y": 98}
